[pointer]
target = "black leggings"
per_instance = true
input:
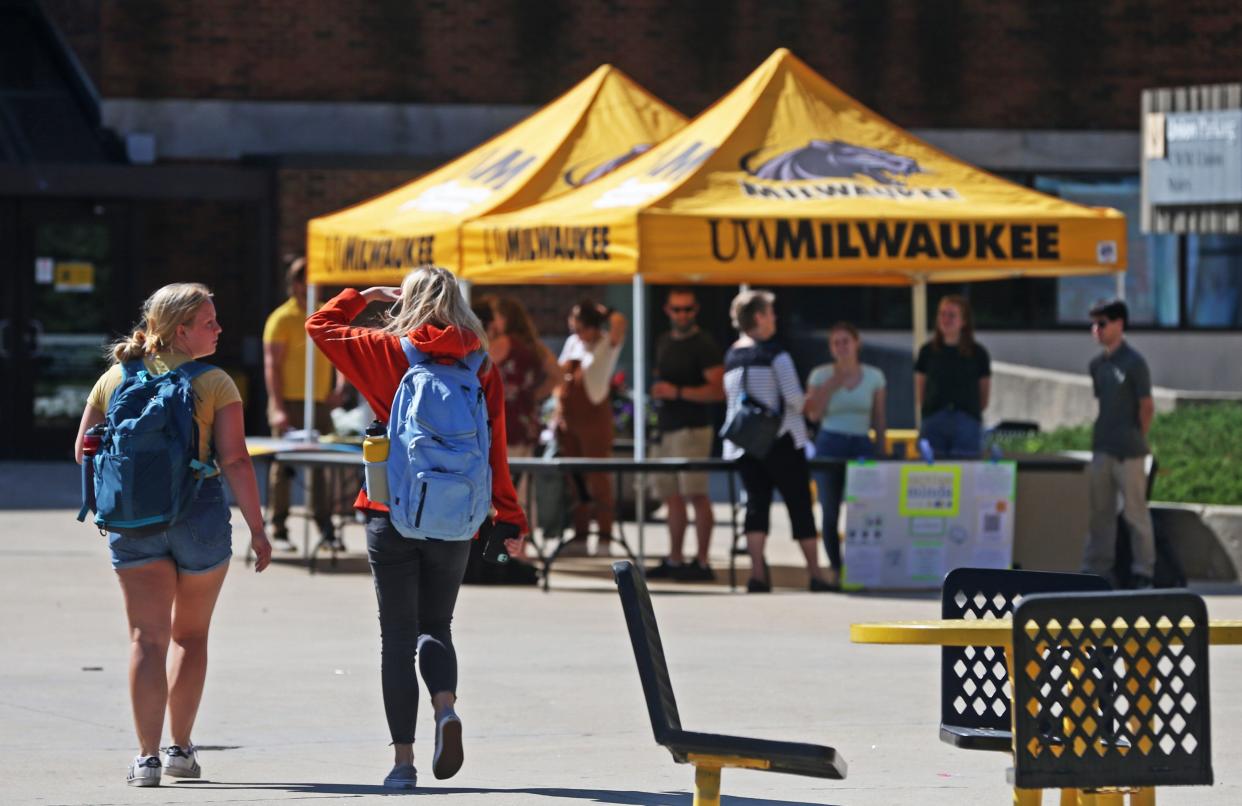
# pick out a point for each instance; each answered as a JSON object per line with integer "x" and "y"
{"x": 784, "y": 468}
{"x": 416, "y": 583}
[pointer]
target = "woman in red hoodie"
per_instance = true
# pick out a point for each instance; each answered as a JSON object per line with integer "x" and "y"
{"x": 416, "y": 581}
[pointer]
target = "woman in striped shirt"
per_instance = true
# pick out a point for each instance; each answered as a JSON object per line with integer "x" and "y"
{"x": 769, "y": 377}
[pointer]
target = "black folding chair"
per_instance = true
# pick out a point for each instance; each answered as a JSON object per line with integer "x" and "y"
{"x": 708, "y": 752}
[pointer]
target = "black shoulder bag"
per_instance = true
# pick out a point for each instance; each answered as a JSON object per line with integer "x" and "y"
{"x": 752, "y": 426}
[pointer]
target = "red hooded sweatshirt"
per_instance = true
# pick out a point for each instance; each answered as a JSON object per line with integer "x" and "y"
{"x": 375, "y": 364}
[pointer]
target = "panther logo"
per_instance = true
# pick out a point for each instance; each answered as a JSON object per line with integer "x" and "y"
{"x": 589, "y": 175}
{"x": 821, "y": 159}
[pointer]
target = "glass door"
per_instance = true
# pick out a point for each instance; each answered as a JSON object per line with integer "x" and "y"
{"x": 66, "y": 294}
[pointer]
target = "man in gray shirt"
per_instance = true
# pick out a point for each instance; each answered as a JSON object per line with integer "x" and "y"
{"x": 1122, "y": 385}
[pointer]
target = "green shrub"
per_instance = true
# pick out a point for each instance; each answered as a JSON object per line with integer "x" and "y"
{"x": 1199, "y": 448}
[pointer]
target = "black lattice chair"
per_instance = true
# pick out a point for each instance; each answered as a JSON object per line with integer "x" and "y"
{"x": 1111, "y": 693}
{"x": 974, "y": 680}
{"x": 708, "y": 752}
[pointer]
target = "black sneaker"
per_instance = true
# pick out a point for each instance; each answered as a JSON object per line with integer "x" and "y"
{"x": 824, "y": 586}
{"x": 696, "y": 572}
{"x": 758, "y": 586}
{"x": 667, "y": 569}
{"x": 403, "y": 776}
{"x": 1140, "y": 582}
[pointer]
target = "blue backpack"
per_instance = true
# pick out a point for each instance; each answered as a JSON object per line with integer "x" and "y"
{"x": 147, "y": 471}
{"x": 439, "y": 477}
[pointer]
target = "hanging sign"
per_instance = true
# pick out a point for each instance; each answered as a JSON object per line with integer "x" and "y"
{"x": 74, "y": 277}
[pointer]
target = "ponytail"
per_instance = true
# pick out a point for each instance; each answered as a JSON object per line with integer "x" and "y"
{"x": 162, "y": 313}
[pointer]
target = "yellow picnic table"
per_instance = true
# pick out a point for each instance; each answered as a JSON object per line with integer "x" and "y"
{"x": 999, "y": 632}
{"x": 985, "y": 632}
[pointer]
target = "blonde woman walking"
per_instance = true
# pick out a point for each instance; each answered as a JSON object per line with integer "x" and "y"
{"x": 171, "y": 578}
{"x": 417, "y": 580}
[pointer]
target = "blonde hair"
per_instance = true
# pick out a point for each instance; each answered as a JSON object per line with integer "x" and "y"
{"x": 430, "y": 296}
{"x": 163, "y": 312}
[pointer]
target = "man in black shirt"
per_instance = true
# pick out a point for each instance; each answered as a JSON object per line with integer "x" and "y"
{"x": 689, "y": 371}
{"x": 1119, "y": 451}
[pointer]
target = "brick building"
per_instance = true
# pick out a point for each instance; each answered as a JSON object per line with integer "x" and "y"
{"x": 249, "y": 118}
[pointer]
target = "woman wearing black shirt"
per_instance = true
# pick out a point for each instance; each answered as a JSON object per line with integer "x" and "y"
{"x": 952, "y": 383}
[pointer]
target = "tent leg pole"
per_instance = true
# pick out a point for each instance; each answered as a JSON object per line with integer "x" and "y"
{"x": 640, "y": 407}
{"x": 467, "y": 288}
{"x": 308, "y": 390}
{"x": 918, "y": 301}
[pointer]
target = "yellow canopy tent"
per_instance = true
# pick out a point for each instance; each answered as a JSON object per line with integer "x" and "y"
{"x": 599, "y": 124}
{"x": 788, "y": 180}
{"x": 596, "y": 126}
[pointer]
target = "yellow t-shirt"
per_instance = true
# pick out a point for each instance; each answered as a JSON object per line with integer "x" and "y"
{"x": 287, "y": 325}
{"x": 213, "y": 390}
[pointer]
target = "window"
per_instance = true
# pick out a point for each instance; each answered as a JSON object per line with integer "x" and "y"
{"x": 1213, "y": 280}
{"x": 1151, "y": 286}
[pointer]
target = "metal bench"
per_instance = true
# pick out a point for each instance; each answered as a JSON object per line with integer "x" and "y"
{"x": 708, "y": 752}
{"x": 1111, "y": 695}
{"x": 974, "y": 700}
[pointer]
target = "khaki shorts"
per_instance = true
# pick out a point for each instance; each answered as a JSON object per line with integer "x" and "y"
{"x": 685, "y": 443}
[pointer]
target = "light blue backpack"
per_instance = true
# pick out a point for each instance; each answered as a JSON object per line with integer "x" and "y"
{"x": 439, "y": 478}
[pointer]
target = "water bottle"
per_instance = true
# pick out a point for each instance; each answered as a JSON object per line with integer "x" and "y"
{"x": 92, "y": 441}
{"x": 375, "y": 462}
{"x": 926, "y": 452}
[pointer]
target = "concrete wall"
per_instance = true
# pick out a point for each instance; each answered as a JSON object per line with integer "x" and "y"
{"x": 1202, "y": 361}
{"x": 1053, "y": 399}
{"x": 1050, "y": 519}
{"x": 214, "y": 129}
{"x": 1050, "y": 527}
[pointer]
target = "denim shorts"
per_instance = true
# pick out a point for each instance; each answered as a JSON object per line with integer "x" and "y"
{"x": 202, "y": 541}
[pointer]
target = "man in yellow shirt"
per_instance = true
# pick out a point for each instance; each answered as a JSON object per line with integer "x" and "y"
{"x": 284, "y": 370}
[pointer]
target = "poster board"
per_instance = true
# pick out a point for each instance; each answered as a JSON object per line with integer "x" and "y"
{"x": 908, "y": 523}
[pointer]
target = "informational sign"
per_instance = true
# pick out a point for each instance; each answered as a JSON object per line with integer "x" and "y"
{"x": 907, "y": 524}
{"x": 1194, "y": 157}
{"x": 75, "y": 277}
{"x": 44, "y": 270}
{"x": 933, "y": 491}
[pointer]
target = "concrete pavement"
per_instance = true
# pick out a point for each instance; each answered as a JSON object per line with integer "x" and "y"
{"x": 550, "y": 698}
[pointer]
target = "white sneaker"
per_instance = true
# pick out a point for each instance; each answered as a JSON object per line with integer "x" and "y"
{"x": 182, "y": 762}
{"x": 145, "y": 771}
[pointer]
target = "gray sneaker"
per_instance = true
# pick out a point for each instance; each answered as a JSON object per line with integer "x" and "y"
{"x": 144, "y": 771}
{"x": 403, "y": 776}
{"x": 449, "y": 754}
{"x": 182, "y": 762}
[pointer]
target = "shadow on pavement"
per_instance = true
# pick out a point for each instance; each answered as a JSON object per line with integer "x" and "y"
{"x": 40, "y": 485}
{"x": 620, "y": 797}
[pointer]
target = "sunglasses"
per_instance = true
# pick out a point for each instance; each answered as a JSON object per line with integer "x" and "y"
{"x": 682, "y": 308}
{"x": 1100, "y": 323}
